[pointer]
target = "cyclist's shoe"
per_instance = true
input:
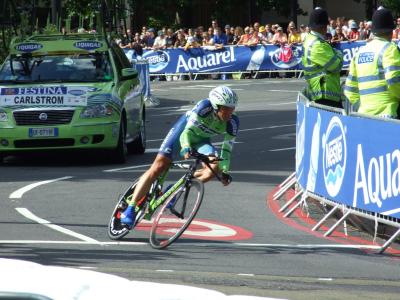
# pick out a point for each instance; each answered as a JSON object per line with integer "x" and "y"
{"x": 172, "y": 202}
{"x": 128, "y": 216}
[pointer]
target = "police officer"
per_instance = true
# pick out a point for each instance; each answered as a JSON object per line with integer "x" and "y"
{"x": 374, "y": 75}
{"x": 321, "y": 63}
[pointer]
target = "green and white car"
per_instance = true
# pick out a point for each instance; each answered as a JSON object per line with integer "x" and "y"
{"x": 70, "y": 92}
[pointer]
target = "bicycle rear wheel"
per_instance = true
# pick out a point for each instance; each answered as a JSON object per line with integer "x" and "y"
{"x": 117, "y": 230}
{"x": 176, "y": 214}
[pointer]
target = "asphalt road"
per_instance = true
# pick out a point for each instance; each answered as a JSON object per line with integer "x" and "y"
{"x": 243, "y": 249}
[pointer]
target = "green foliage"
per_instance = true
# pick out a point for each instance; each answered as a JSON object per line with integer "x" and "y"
{"x": 393, "y": 5}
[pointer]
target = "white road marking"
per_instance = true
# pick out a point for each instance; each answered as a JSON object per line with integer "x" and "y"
{"x": 268, "y": 127}
{"x": 311, "y": 246}
{"x": 244, "y": 274}
{"x": 286, "y": 91}
{"x": 205, "y": 244}
{"x": 127, "y": 168}
{"x": 18, "y": 193}
{"x": 27, "y": 214}
{"x": 282, "y": 149}
{"x": 325, "y": 279}
{"x": 168, "y": 271}
{"x": 281, "y": 103}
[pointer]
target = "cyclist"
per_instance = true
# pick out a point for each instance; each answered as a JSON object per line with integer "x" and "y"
{"x": 193, "y": 131}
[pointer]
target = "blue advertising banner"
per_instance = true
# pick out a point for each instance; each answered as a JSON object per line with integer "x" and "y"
{"x": 234, "y": 58}
{"x": 228, "y": 59}
{"x": 349, "y": 159}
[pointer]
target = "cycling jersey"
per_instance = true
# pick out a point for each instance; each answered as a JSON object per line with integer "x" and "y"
{"x": 195, "y": 129}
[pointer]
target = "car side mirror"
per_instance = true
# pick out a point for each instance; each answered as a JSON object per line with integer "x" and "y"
{"x": 129, "y": 73}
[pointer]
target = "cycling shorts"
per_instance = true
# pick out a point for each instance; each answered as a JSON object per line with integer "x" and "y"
{"x": 171, "y": 146}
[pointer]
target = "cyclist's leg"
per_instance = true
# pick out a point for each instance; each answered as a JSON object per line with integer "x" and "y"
{"x": 168, "y": 150}
{"x": 205, "y": 174}
{"x": 160, "y": 164}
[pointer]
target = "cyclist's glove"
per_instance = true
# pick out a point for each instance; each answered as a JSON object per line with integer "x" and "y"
{"x": 226, "y": 177}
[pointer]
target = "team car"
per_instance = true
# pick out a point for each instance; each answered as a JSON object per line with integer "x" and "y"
{"x": 74, "y": 91}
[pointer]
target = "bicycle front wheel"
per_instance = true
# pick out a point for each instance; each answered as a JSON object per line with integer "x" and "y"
{"x": 176, "y": 214}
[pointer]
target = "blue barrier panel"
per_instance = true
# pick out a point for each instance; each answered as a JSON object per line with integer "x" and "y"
{"x": 348, "y": 159}
{"x": 232, "y": 58}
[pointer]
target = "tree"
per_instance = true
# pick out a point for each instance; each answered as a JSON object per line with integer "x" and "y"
{"x": 393, "y": 5}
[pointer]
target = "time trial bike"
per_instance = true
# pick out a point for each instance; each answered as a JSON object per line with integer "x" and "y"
{"x": 170, "y": 211}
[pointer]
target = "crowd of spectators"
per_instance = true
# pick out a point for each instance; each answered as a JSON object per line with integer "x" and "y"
{"x": 214, "y": 37}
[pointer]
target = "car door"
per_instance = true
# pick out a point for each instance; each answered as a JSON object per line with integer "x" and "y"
{"x": 130, "y": 93}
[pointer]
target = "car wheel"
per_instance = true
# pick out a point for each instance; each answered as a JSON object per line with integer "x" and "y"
{"x": 120, "y": 153}
{"x": 138, "y": 146}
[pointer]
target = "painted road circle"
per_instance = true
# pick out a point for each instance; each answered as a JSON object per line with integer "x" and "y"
{"x": 205, "y": 230}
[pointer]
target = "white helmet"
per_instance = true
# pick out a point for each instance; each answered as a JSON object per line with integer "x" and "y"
{"x": 224, "y": 96}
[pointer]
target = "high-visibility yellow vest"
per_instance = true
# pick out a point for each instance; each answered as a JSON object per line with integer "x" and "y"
{"x": 322, "y": 65}
{"x": 374, "y": 79}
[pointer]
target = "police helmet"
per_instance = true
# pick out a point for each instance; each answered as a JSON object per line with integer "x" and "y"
{"x": 382, "y": 21}
{"x": 318, "y": 18}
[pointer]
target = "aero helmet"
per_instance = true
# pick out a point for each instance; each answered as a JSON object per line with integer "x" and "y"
{"x": 222, "y": 95}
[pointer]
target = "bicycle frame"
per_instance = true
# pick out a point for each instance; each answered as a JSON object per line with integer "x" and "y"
{"x": 155, "y": 201}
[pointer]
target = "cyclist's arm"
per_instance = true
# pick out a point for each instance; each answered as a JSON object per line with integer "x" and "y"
{"x": 193, "y": 127}
{"x": 227, "y": 145}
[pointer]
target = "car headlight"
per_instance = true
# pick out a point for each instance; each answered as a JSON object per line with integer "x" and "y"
{"x": 97, "y": 111}
{"x": 3, "y": 116}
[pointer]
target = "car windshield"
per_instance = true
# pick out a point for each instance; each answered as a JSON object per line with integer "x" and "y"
{"x": 57, "y": 68}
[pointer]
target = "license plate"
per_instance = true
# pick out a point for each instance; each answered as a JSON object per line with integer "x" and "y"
{"x": 43, "y": 132}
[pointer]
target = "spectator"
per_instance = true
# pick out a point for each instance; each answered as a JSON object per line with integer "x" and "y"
{"x": 210, "y": 32}
{"x": 253, "y": 37}
{"x": 332, "y": 26}
{"x": 354, "y": 34}
{"x": 149, "y": 38}
{"x": 396, "y": 31}
{"x": 303, "y": 32}
{"x": 229, "y": 35}
{"x": 180, "y": 41}
{"x": 143, "y": 33}
{"x": 160, "y": 41}
{"x": 280, "y": 38}
{"x": 233, "y": 30}
{"x": 361, "y": 29}
{"x": 377, "y": 95}
{"x": 237, "y": 34}
{"x": 263, "y": 39}
{"x": 206, "y": 39}
{"x": 294, "y": 37}
{"x": 214, "y": 24}
{"x": 170, "y": 38}
{"x": 198, "y": 36}
{"x": 219, "y": 40}
{"x": 321, "y": 63}
{"x": 245, "y": 36}
{"x": 190, "y": 33}
{"x": 367, "y": 34}
{"x": 191, "y": 43}
{"x": 256, "y": 27}
{"x": 268, "y": 33}
{"x": 338, "y": 36}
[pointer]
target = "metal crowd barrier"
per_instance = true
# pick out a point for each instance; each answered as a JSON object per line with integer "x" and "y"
{"x": 304, "y": 191}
